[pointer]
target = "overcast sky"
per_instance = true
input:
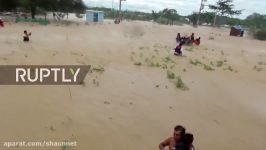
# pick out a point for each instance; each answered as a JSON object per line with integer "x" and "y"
{"x": 184, "y": 7}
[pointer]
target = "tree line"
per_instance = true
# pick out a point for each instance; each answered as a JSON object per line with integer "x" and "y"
{"x": 35, "y": 6}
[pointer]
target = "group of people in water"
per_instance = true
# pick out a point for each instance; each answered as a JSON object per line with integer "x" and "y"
{"x": 179, "y": 141}
{"x": 185, "y": 40}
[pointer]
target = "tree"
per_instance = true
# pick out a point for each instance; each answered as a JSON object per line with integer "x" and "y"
{"x": 224, "y": 7}
{"x": 170, "y": 14}
{"x": 193, "y": 18}
{"x": 155, "y": 15}
{"x": 8, "y": 5}
{"x": 48, "y": 5}
{"x": 256, "y": 20}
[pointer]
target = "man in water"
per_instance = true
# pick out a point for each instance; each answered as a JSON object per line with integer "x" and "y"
{"x": 178, "y": 37}
{"x": 192, "y": 37}
{"x": 177, "y": 137}
{"x": 26, "y": 37}
{"x": 178, "y": 50}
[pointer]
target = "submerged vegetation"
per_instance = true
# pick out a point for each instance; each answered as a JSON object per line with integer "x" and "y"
{"x": 180, "y": 84}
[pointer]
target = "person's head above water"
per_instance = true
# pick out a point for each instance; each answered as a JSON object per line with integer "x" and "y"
{"x": 179, "y": 132}
{"x": 188, "y": 139}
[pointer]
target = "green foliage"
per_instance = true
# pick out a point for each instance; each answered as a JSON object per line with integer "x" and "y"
{"x": 170, "y": 74}
{"x": 260, "y": 34}
{"x": 256, "y": 21}
{"x": 193, "y": 18}
{"x": 8, "y": 5}
{"x": 40, "y": 21}
{"x": 48, "y": 5}
{"x": 208, "y": 68}
{"x": 190, "y": 49}
{"x": 195, "y": 62}
{"x": 225, "y": 7}
{"x": 166, "y": 16}
{"x": 219, "y": 63}
{"x": 98, "y": 69}
{"x": 137, "y": 63}
{"x": 180, "y": 84}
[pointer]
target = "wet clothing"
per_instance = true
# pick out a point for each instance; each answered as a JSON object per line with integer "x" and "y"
{"x": 26, "y": 39}
{"x": 197, "y": 42}
{"x": 178, "y": 51}
{"x": 182, "y": 146}
{"x": 178, "y": 38}
{"x": 192, "y": 38}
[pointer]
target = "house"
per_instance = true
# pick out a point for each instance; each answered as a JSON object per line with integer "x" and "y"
{"x": 94, "y": 16}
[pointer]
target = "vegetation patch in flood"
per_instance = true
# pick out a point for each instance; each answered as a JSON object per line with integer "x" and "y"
{"x": 137, "y": 63}
{"x": 170, "y": 74}
{"x": 180, "y": 84}
{"x": 98, "y": 69}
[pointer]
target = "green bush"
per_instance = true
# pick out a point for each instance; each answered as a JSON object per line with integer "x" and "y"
{"x": 260, "y": 34}
{"x": 170, "y": 74}
{"x": 180, "y": 84}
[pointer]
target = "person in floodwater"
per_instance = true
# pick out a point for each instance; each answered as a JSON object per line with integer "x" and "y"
{"x": 171, "y": 142}
{"x": 197, "y": 41}
{"x": 187, "y": 143}
{"x": 26, "y": 37}
{"x": 192, "y": 37}
{"x": 178, "y": 50}
{"x": 178, "y": 37}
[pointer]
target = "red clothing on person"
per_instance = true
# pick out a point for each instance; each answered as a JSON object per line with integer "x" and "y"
{"x": 1, "y": 23}
{"x": 197, "y": 42}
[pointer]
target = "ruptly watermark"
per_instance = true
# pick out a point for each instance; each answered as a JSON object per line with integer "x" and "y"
{"x": 43, "y": 74}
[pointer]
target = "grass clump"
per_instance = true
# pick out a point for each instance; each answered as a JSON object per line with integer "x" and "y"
{"x": 260, "y": 63}
{"x": 141, "y": 48}
{"x": 65, "y": 147}
{"x": 158, "y": 65}
{"x": 219, "y": 63}
{"x": 98, "y": 69}
{"x": 180, "y": 84}
{"x": 195, "y": 62}
{"x": 207, "y": 67}
{"x": 190, "y": 49}
{"x": 230, "y": 68}
{"x": 257, "y": 68}
{"x": 170, "y": 74}
{"x": 164, "y": 66}
{"x": 137, "y": 63}
{"x": 260, "y": 34}
{"x": 167, "y": 59}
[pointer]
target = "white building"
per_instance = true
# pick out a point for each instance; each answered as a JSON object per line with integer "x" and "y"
{"x": 94, "y": 16}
